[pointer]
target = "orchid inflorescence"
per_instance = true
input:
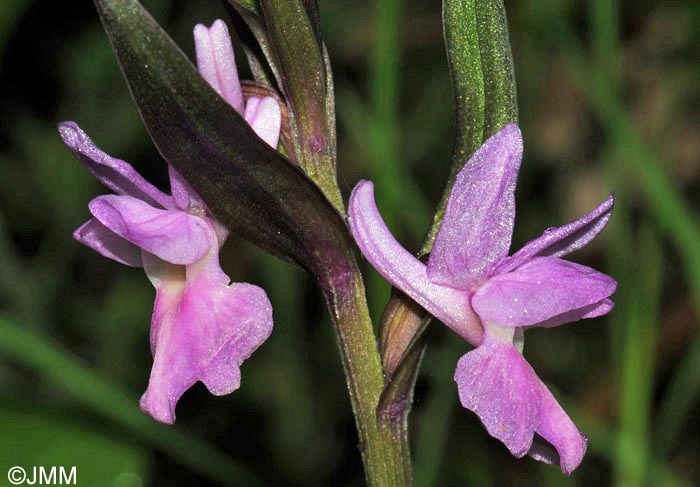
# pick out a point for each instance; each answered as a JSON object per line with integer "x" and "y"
{"x": 204, "y": 326}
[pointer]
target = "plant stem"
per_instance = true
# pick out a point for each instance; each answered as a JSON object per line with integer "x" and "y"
{"x": 383, "y": 440}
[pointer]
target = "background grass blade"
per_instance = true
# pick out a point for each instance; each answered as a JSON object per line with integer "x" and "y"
{"x": 36, "y": 352}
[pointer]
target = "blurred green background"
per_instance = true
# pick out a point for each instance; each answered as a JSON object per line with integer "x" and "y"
{"x": 609, "y": 96}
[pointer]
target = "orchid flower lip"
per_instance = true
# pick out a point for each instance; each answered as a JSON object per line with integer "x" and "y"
{"x": 514, "y": 405}
{"x": 216, "y": 327}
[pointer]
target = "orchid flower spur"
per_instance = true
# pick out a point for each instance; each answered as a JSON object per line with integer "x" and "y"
{"x": 203, "y": 327}
{"x": 489, "y": 298}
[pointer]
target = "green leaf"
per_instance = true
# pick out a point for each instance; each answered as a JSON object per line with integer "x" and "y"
{"x": 307, "y": 84}
{"x": 249, "y": 187}
{"x": 312, "y": 10}
{"x": 249, "y": 12}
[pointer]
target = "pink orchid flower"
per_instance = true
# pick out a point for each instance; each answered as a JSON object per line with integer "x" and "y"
{"x": 203, "y": 326}
{"x": 489, "y": 298}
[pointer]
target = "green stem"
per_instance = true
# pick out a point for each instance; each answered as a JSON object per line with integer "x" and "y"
{"x": 483, "y": 81}
{"x": 37, "y": 352}
{"x": 308, "y": 87}
{"x": 383, "y": 439}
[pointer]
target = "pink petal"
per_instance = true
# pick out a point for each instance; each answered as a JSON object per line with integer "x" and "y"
{"x": 172, "y": 235}
{"x": 114, "y": 173}
{"x": 478, "y": 225}
{"x": 496, "y": 382}
{"x": 104, "y": 241}
{"x": 600, "y": 308}
{"x": 543, "y": 289}
{"x": 555, "y": 427}
{"x": 251, "y": 109}
{"x": 216, "y": 62}
{"x": 189, "y": 201}
{"x": 403, "y": 270}
{"x": 560, "y": 241}
{"x": 267, "y": 120}
{"x": 186, "y": 199}
{"x": 203, "y": 329}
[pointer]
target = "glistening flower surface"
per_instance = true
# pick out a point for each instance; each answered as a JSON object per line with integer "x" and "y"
{"x": 489, "y": 298}
{"x": 203, "y": 327}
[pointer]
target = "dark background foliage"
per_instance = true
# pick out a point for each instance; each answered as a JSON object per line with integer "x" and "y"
{"x": 608, "y": 98}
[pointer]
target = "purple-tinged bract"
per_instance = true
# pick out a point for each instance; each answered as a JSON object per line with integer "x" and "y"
{"x": 473, "y": 286}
